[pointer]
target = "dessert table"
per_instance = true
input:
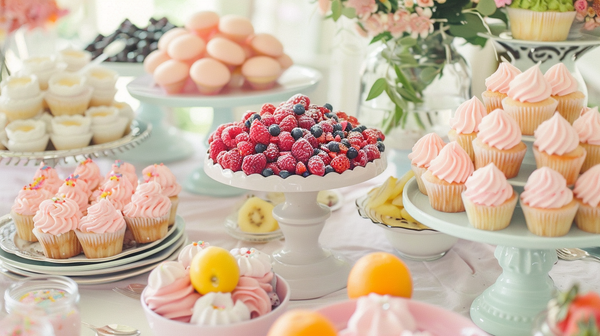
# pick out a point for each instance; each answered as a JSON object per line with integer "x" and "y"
{"x": 451, "y": 282}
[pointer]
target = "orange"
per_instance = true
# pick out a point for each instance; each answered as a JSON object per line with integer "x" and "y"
{"x": 382, "y": 273}
{"x": 302, "y": 323}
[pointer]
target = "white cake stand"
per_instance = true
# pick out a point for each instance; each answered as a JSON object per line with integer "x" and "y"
{"x": 167, "y": 145}
{"x": 311, "y": 270}
{"x": 508, "y": 307}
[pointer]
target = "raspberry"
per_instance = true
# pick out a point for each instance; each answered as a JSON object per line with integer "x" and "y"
{"x": 287, "y": 162}
{"x": 372, "y": 152}
{"x": 242, "y": 137}
{"x": 273, "y": 167}
{"x": 211, "y": 137}
{"x": 288, "y": 123}
{"x": 254, "y": 164}
{"x": 305, "y": 122}
{"x": 302, "y": 150}
{"x": 371, "y": 135}
{"x": 216, "y": 147}
{"x": 271, "y": 153}
{"x": 286, "y": 141}
{"x": 220, "y": 158}
{"x": 316, "y": 166}
{"x": 268, "y": 119}
{"x": 361, "y": 159}
{"x": 232, "y": 160}
{"x": 259, "y": 133}
{"x": 248, "y": 115}
{"x": 312, "y": 140}
{"x": 324, "y": 157}
{"x": 340, "y": 163}
{"x": 341, "y": 115}
{"x": 267, "y": 108}
{"x": 229, "y": 134}
{"x": 300, "y": 168}
{"x": 299, "y": 99}
{"x": 326, "y": 127}
{"x": 282, "y": 112}
{"x": 245, "y": 148}
{"x": 353, "y": 121}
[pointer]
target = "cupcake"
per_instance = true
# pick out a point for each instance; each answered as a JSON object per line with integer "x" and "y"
{"x": 52, "y": 182}
{"x": 186, "y": 48}
{"x": 265, "y": 45}
{"x": 235, "y": 27}
{"x": 21, "y": 97}
{"x": 171, "y": 76}
{"x": 586, "y": 109}
{"x": 68, "y": 93}
{"x": 103, "y": 81}
{"x": 446, "y": 176}
{"x": 543, "y": 20}
{"x": 71, "y": 132}
{"x": 26, "y": 205}
{"x": 219, "y": 308}
{"x": 225, "y": 51}
{"x": 54, "y": 224}
{"x": 489, "y": 200}
{"x": 425, "y": 150}
{"x": 101, "y": 231}
{"x": 210, "y": 76}
{"x": 107, "y": 125}
{"x": 557, "y": 146}
{"x": 77, "y": 190}
{"x": 189, "y": 252}
{"x": 90, "y": 173}
{"x": 588, "y": 129}
{"x": 465, "y": 124}
{"x": 43, "y": 68}
{"x": 27, "y": 135}
{"x": 74, "y": 58}
{"x": 497, "y": 86}
{"x": 587, "y": 195}
{"x": 261, "y": 72}
{"x": 147, "y": 216}
{"x": 117, "y": 189}
{"x": 529, "y": 101}
{"x": 564, "y": 90}
{"x": 548, "y": 204}
{"x": 203, "y": 23}
{"x": 499, "y": 141}
{"x": 169, "y": 186}
{"x": 154, "y": 59}
{"x": 125, "y": 169}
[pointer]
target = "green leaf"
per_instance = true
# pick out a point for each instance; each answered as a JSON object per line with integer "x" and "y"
{"x": 336, "y": 9}
{"x": 469, "y": 28}
{"x": 385, "y": 36}
{"x": 395, "y": 98}
{"x": 407, "y": 58}
{"x": 403, "y": 80}
{"x": 410, "y": 96}
{"x": 350, "y": 12}
{"x": 500, "y": 15}
{"x": 408, "y": 41}
{"x": 428, "y": 74}
{"x": 486, "y": 7}
{"x": 377, "y": 89}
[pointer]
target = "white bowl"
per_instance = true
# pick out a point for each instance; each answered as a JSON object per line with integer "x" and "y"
{"x": 423, "y": 245}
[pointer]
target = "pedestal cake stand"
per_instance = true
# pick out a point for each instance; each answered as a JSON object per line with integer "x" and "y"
{"x": 166, "y": 143}
{"x": 311, "y": 270}
{"x": 508, "y": 307}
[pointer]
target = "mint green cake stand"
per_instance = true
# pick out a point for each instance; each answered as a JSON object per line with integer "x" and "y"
{"x": 508, "y": 307}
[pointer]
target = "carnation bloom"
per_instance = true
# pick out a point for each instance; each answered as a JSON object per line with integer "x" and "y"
{"x": 398, "y": 22}
{"x": 420, "y": 23}
{"x": 375, "y": 24}
{"x": 409, "y": 3}
{"x": 363, "y": 8}
{"x": 581, "y": 6}
{"x": 425, "y": 3}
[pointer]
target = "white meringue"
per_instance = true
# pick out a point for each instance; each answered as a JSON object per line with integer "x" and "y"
{"x": 218, "y": 309}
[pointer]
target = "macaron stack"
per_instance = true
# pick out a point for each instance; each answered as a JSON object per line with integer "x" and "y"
{"x": 214, "y": 53}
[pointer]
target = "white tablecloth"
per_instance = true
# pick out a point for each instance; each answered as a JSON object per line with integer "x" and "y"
{"x": 451, "y": 282}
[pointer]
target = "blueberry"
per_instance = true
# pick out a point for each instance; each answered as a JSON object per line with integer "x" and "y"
{"x": 248, "y": 123}
{"x": 259, "y": 148}
{"x": 255, "y": 116}
{"x": 297, "y": 133}
{"x": 380, "y": 146}
{"x": 267, "y": 172}
{"x": 305, "y": 174}
{"x": 333, "y": 146}
{"x": 362, "y": 128}
{"x": 379, "y": 139}
{"x": 352, "y": 153}
{"x": 346, "y": 143}
{"x": 274, "y": 130}
{"x": 299, "y": 109}
{"x": 284, "y": 173}
{"x": 348, "y": 127}
{"x": 316, "y": 131}
{"x": 337, "y": 127}
{"x": 316, "y": 151}
{"x": 328, "y": 106}
{"x": 340, "y": 133}
{"x": 329, "y": 115}
{"x": 329, "y": 169}
{"x": 335, "y": 117}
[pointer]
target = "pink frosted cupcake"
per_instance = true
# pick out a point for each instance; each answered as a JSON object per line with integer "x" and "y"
{"x": 587, "y": 194}
{"x": 557, "y": 146}
{"x": 26, "y": 205}
{"x": 564, "y": 90}
{"x": 497, "y": 86}
{"x": 465, "y": 124}
{"x": 125, "y": 169}
{"x": 489, "y": 200}
{"x": 89, "y": 172}
{"x": 529, "y": 101}
{"x": 170, "y": 188}
{"x": 76, "y": 190}
{"x": 548, "y": 204}
{"x": 118, "y": 190}
{"x": 101, "y": 231}
{"x": 425, "y": 150}
{"x": 54, "y": 226}
{"x": 446, "y": 176}
{"x": 51, "y": 180}
{"x": 147, "y": 216}
{"x": 588, "y": 128}
{"x": 499, "y": 141}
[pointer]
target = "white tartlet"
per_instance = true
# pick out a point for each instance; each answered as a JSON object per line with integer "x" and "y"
{"x": 47, "y": 118}
{"x": 107, "y": 125}
{"x": 124, "y": 110}
{"x": 75, "y": 59}
{"x": 20, "y": 86}
{"x": 27, "y": 136}
{"x": 16, "y": 109}
{"x": 101, "y": 78}
{"x": 43, "y": 67}
{"x": 68, "y": 94}
{"x": 70, "y": 132}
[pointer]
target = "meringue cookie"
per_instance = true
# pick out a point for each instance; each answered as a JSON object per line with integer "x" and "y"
{"x": 189, "y": 252}
{"x": 218, "y": 309}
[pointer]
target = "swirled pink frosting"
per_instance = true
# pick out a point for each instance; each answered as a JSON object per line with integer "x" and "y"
{"x": 30, "y": 197}
{"x": 426, "y": 149}
{"x": 453, "y": 164}
{"x": 52, "y": 181}
{"x": 468, "y": 116}
{"x": 163, "y": 175}
{"x": 588, "y": 127}
{"x": 546, "y": 189}
{"x": 499, "y": 81}
{"x": 488, "y": 186}
{"x": 556, "y": 136}
{"x": 561, "y": 80}
{"x": 77, "y": 190}
{"x": 586, "y": 109}
{"x": 90, "y": 173}
{"x": 530, "y": 86}
{"x": 118, "y": 190}
{"x": 248, "y": 291}
{"x": 102, "y": 217}
{"x": 380, "y": 315}
{"x": 499, "y": 130}
{"x": 586, "y": 187}
{"x": 148, "y": 201}
{"x": 57, "y": 216}
{"x": 125, "y": 169}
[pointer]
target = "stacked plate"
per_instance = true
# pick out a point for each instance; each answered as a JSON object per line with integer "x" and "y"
{"x": 20, "y": 258}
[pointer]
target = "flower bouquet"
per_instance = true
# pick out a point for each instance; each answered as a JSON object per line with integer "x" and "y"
{"x": 588, "y": 13}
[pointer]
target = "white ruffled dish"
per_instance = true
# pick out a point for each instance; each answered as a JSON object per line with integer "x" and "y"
{"x": 107, "y": 125}
{"x": 20, "y": 87}
{"x": 27, "y": 136}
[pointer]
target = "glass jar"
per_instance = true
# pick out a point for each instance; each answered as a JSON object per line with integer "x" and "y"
{"x": 543, "y": 325}
{"x": 19, "y": 323}
{"x": 54, "y": 298}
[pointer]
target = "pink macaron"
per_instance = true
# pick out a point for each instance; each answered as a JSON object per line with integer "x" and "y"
{"x": 285, "y": 61}
{"x": 210, "y": 75}
{"x": 154, "y": 59}
{"x": 187, "y": 48}
{"x": 165, "y": 40}
{"x": 265, "y": 45}
{"x": 226, "y": 51}
{"x": 261, "y": 72}
{"x": 235, "y": 27}
{"x": 172, "y": 75}
{"x": 203, "y": 23}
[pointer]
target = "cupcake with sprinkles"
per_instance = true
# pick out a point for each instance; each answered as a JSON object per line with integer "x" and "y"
{"x": 162, "y": 175}
{"x": 54, "y": 226}
{"x": 147, "y": 216}
{"x": 76, "y": 190}
{"x": 51, "y": 180}
{"x": 90, "y": 173}
{"x": 101, "y": 232}
{"x": 125, "y": 169}
{"x": 118, "y": 190}
{"x": 26, "y": 205}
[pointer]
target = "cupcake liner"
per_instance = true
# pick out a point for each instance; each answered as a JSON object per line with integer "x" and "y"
{"x": 419, "y": 171}
{"x": 69, "y": 105}
{"x": 16, "y": 109}
{"x": 209, "y": 90}
{"x": 550, "y": 222}
{"x": 24, "y": 225}
{"x": 101, "y": 245}
{"x": 592, "y": 157}
{"x": 567, "y": 165}
{"x": 444, "y": 196}
{"x": 508, "y": 161}
{"x": 109, "y": 132}
{"x": 492, "y": 100}
{"x": 173, "y": 213}
{"x": 62, "y": 142}
{"x": 570, "y": 106}
{"x": 174, "y": 88}
{"x": 261, "y": 83}
{"x": 102, "y": 97}
{"x": 529, "y": 116}
{"x": 61, "y": 246}
{"x": 465, "y": 141}
{"x": 490, "y": 218}
{"x": 147, "y": 230}
{"x": 530, "y": 25}
{"x": 587, "y": 217}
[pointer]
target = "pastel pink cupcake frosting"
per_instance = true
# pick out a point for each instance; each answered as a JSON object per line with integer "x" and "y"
{"x": 255, "y": 264}
{"x": 561, "y": 80}
{"x": 118, "y": 190}
{"x": 52, "y": 181}
{"x": 546, "y": 189}
{"x": 488, "y": 186}
{"x": 77, "y": 190}
{"x": 57, "y": 216}
{"x": 90, "y": 173}
{"x": 452, "y": 165}
{"x": 586, "y": 187}
{"x": 162, "y": 175}
{"x": 530, "y": 86}
{"x": 380, "y": 315}
{"x": 588, "y": 127}
{"x": 556, "y": 136}
{"x": 499, "y": 130}
{"x": 499, "y": 81}
{"x": 102, "y": 217}
{"x": 426, "y": 149}
{"x": 468, "y": 116}
{"x": 249, "y": 292}
{"x": 125, "y": 169}
{"x": 148, "y": 201}
{"x": 30, "y": 197}
{"x": 586, "y": 109}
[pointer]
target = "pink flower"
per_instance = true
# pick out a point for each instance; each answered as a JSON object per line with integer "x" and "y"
{"x": 33, "y": 13}
{"x": 409, "y": 3}
{"x": 502, "y": 3}
{"x": 375, "y": 24}
{"x": 420, "y": 23}
{"x": 580, "y": 16}
{"x": 425, "y": 3}
{"x": 363, "y": 8}
{"x": 591, "y": 24}
{"x": 581, "y": 6}
{"x": 324, "y": 6}
{"x": 398, "y": 22}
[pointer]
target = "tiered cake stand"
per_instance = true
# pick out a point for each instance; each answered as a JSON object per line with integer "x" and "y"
{"x": 167, "y": 145}
{"x": 311, "y": 270}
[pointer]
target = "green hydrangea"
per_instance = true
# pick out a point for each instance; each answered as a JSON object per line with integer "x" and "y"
{"x": 544, "y": 5}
